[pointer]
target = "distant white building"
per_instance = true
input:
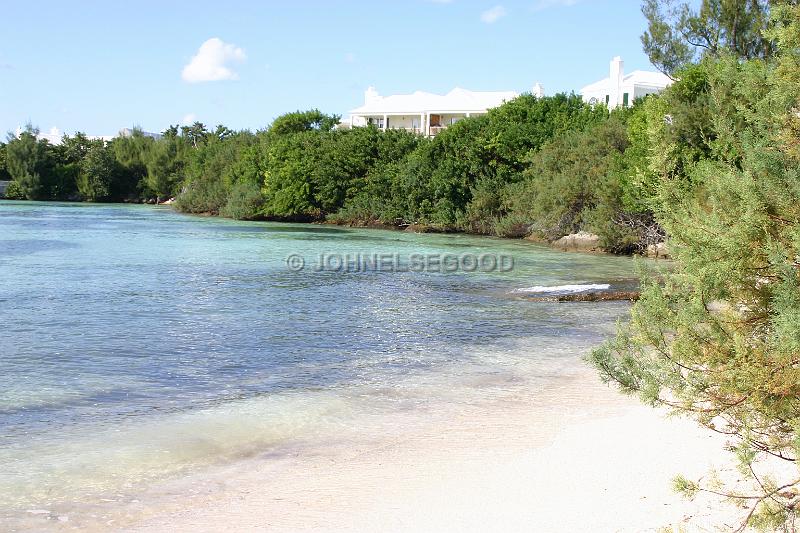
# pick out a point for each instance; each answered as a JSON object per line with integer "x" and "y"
{"x": 127, "y": 132}
{"x": 53, "y": 135}
{"x": 426, "y": 113}
{"x": 621, "y": 89}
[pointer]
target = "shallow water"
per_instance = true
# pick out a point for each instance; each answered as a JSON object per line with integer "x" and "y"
{"x": 138, "y": 343}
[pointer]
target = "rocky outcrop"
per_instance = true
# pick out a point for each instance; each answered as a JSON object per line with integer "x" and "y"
{"x": 583, "y": 241}
{"x": 658, "y": 251}
{"x": 418, "y": 228}
{"x": 592, "y": 296}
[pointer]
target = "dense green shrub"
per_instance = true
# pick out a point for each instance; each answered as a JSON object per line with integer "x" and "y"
{"x": 245, "y": 202}
{"x": 14, "y": 192}
{"x": 204, "y": 195}
{"x": 100, "y": 172}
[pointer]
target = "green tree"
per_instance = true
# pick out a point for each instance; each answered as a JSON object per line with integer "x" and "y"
{"x": 717, "y": 336}
{"x": 195, "y": 134}
{"x": 99, "y": 173}
{"x": 222, "y": 132}
{"x": 4, "y": 175}
{"x": 301, "y": 121}
{"x": 73, "y": 149}
{"x": 163, "y": 165}
{"x": 289, "y": 167}
{"x": 679, "y": 34}
{"x": 171, "y": 132}
{"x": 133, "y": 153}
{"x": 29, "y": 162}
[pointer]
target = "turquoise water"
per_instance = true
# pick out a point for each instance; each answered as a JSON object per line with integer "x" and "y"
{"x": 138, "y": 343}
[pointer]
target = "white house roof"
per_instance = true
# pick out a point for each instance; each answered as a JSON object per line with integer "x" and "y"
{"x": 641, "y": 78}
{"x": 456, "y": 100}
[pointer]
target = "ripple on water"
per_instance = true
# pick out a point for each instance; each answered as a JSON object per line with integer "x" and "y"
{"x": 139, "y": 343}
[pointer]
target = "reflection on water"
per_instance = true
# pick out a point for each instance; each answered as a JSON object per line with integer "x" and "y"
{"x": 138, "y": 342}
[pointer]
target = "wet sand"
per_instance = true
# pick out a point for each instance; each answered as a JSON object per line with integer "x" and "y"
{"x": 578, "y": 458}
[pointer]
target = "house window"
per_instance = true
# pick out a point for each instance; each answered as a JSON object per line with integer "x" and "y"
{"x": 625, "y": 99}
{"x": 377, "y": 121}
{"x": 607, "y": 99}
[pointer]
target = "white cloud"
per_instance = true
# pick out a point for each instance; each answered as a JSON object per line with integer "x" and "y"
{"x": 189, "y": 119}
{"x": 213, "y": 61}
{"x": 544, "y": 4}
{"x": 490, "y": 16}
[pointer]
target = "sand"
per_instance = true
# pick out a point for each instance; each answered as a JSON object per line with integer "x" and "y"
{"x": 579, "y": 458}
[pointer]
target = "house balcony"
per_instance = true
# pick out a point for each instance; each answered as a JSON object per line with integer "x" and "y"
{"x": 432, "y": 131}
{"x": 412, "y": 129}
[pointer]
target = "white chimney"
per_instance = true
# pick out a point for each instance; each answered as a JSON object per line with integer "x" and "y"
{"x": 617, "y": 69}
{"x": 538, "y": 90}
{"x": 371, "y": 95}
{"x": 616, "y": 73}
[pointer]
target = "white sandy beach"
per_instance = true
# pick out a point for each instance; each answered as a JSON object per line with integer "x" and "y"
{"x": 594, "y": 461}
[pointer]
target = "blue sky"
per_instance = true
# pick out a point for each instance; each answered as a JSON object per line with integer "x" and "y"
{"x": 99, "y": 66}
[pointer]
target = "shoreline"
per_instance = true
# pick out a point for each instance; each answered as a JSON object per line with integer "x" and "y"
{"x": 596, "y": 461}
{"x": 577, "y": 456}
{"x": 407, "y": 228}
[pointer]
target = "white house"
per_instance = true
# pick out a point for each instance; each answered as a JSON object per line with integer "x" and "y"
{"x": 426, "y": 113}
{"x": 621, "y": 89}
{"x": 53, "y": 136}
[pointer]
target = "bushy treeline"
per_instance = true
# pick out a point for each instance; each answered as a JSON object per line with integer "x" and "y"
{"x": 545, "y": 167}
{"x": 128, "y": 168}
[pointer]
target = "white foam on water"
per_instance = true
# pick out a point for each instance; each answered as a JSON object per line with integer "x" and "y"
{"x": 561, "y": 289}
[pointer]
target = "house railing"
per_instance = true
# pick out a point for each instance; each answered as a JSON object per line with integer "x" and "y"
{"x": 433, "y": 130}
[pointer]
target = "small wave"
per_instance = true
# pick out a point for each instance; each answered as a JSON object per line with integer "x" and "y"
{"x": 564, "y": 289}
